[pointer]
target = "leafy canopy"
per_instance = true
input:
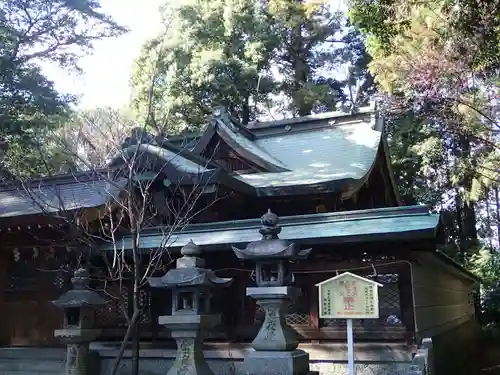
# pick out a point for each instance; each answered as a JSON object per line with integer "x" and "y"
{"x": 32, "y": 31}
{"x": 256, "y": 57}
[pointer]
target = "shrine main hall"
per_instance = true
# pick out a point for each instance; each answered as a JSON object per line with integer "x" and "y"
{"x": 328, "y": 179}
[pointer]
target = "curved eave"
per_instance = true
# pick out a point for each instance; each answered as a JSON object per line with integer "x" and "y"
{"x": 323, "y": 160}
{"x": 244, "y": 147}
{"x": 175, "y": 166}
{"x": 398, "y": 223}
{"x": 180, "y": 170}
{"x": 304, "y": 189}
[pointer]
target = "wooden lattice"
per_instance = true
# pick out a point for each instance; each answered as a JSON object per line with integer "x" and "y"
{"x": 297, "y": 319}
{"x": 112, "y": 315}
{"x": 298, "y": 312}
{"x": 145, "y": 306}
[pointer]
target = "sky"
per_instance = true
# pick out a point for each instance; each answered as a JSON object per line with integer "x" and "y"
{"x": 107, "y": 71}
{"x": 105, "y": 81}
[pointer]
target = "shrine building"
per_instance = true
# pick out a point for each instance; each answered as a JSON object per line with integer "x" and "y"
{"x": 328, "y": 177}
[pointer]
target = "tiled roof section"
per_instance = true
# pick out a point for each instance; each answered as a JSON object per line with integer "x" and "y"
{"x": 351, "y": 226}
{"x": 334, "y": 152}
{"x": 51, "y": 197}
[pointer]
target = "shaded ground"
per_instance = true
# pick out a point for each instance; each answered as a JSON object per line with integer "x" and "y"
{"x": 490, "y": 358}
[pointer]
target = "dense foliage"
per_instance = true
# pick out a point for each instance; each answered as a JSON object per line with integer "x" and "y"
{"x": 258, "y": 58}
{"x": 31, "y": 31}
{"x": 486, "y": 265}
{"x": 437, "y": 68}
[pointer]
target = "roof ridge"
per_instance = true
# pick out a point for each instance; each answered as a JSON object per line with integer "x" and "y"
{"x": 310, "y": 118}
{"x": 59, "y": 179}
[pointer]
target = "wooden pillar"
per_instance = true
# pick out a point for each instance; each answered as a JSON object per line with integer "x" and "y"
{"x": 313, "y": 304}
{"x": 406, "y": 299}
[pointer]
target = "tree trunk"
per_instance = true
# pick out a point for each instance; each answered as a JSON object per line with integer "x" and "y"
{"x": 488, "y": 220}
{"x": 300, "y": 72}
{"x": 497, "y": 203}
{"x": 460, "y": 224}
{"x": 135, "y": 346}
{"x": 136, "y": 297}
{"x": 246, "y": 111}
{"x": 470, "y": 221}
{"x": 468, "y": 214}
{"x": 123, "y": 346}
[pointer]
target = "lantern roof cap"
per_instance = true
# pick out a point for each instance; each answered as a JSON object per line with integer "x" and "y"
{"x": 190, "y": 272}
{"x": 270, "y": 246}
{"x": 80, "y": 295}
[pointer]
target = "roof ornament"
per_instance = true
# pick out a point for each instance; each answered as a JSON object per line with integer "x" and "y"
{"x": 270, "y": 226}
{"x": 219, "y": 111}
{"x": 271, "y": 246}
{"x": 138, "y": 136}
{"x": 81, "y": 279}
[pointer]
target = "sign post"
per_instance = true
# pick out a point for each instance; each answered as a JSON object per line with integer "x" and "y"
{"x": 348, "y": 296}
{"x": 350, "y": 348}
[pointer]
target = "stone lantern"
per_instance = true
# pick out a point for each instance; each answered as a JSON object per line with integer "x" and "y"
{"x": 191, "y": 286}
{"x": 79, "y": 328}
{"x": 276, "y": 344}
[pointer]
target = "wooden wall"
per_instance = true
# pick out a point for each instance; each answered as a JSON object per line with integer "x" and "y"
{"x": 27, "y": 317}
{"x": 443, "y": 296}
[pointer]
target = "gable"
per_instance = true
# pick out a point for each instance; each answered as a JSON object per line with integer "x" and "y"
{"x": 225, "y": 156}
{"x": 238, "y": 141}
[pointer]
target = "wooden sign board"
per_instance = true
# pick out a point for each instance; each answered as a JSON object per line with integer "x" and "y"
{"x": 348, "y": 296}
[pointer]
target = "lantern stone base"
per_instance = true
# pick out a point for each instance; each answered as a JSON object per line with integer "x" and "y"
{"x": 188, "y": 331}
{"x": 76, "y": 335}
{"x": 295, "y": 362}
{"x": 78, "y": 358}
{"x": 274, "y": 334}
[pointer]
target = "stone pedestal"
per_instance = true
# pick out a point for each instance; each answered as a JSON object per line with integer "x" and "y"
{"x": 78, "y": 358}
{"x": 276, "y": 343}
{"x": 275, "y": 334}
{"x": 188, "y": 331}
{"x": 295, "y": 362}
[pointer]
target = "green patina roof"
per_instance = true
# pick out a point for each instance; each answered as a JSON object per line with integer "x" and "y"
{"x": 62, "y": 193}
{"x": 311, "y": 154}
{"x": 351, "y": 226}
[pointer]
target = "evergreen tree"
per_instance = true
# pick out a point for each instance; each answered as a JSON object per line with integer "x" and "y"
{"x": 31, "y": 31}
{"x": 441, "y": 106}
{"x": 255, "y": 57}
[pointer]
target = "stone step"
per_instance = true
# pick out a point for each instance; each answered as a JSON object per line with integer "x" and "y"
{"x": 30, "y": 366}
{"x": 32, "y": 361}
